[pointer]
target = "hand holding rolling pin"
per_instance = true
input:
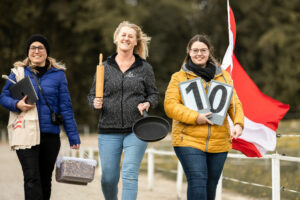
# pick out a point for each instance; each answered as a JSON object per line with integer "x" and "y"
{"x": 98, "y": 101}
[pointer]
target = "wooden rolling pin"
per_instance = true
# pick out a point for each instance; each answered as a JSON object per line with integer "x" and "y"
{"x": 100, "y": 78}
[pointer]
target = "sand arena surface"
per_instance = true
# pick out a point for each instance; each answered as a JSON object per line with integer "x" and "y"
{"x": 11, "y": 182}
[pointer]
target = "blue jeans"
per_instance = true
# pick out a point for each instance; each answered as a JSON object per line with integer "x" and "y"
{"x": 202, "y": 171}
{"x": 111, "y": 147}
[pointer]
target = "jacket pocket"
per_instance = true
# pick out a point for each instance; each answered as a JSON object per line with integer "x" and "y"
{"x": 182, "y": 132}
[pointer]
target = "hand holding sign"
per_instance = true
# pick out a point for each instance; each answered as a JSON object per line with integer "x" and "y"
{"x": 203, "y": 118}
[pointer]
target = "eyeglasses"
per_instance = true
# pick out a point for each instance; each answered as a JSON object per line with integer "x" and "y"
{"x": 196, "y": 51}
{"x": 34, "y": 48}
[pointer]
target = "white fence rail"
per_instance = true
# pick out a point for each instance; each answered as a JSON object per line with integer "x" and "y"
{"x": 151, "y": 152}
{"x": 276, "y": 158}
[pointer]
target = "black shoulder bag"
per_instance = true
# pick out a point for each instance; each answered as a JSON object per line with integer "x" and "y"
{"x": 56, "y": 118}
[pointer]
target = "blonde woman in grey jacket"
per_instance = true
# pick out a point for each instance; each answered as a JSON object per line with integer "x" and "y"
{"x": 129, "y": 88}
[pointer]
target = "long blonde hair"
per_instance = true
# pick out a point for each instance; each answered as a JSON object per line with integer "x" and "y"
{"x": 52, "y": 62}
{"x": 142, "y": 39}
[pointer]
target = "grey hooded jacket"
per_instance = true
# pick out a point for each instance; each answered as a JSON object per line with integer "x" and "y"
{"x": 122, "y": 94}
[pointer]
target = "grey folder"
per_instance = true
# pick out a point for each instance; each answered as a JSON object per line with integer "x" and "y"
{"x": 22, "y": 88}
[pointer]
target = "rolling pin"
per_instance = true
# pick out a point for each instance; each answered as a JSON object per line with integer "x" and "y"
{"x": 99, "y": 78}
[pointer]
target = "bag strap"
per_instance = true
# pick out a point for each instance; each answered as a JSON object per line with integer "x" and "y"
{"x": 42, "y": 92}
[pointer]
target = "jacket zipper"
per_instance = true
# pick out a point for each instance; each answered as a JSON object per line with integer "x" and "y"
{"x": 40, "y": 94}
{"x": 207, "y": 140}
{"x": 209, "y": 126}
{"x": 123, "y": 76}
{"x": 122, "y": 120}
{"x": 40, "y": 82}
{"x": 122, "y": 101}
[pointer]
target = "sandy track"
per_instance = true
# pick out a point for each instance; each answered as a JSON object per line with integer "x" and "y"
{"x": 11, "y": 183}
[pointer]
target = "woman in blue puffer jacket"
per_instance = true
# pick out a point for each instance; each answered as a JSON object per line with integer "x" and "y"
{"x": 38, "y": 161}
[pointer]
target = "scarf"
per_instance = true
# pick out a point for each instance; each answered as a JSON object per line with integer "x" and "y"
{"x": 207, "y": 72}
{"x": 41, "y": 70}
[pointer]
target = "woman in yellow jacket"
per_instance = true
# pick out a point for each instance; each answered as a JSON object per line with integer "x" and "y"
{"x": 200, "y": 145}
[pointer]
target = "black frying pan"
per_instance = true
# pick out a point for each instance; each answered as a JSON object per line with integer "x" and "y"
{"x": 150, "y": 128}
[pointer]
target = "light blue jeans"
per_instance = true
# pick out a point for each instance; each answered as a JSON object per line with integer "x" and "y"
{"x": 111, "y": 147}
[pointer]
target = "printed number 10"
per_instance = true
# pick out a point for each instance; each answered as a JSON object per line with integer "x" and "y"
{"x": 194, "y": 88}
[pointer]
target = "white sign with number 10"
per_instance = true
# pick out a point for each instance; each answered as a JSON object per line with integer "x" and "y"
{"x": 217, "y": 99}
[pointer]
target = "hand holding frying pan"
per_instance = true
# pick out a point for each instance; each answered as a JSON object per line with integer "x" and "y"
{"x": 143, "y": 106}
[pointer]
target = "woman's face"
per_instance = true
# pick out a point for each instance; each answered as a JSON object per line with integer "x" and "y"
{"x": 126, "y": 39}
{"x": 37, "y": 54}
{"x": 199, "y": 53}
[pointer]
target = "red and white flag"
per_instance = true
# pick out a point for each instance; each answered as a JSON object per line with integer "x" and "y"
{"x": 262, "y": 113}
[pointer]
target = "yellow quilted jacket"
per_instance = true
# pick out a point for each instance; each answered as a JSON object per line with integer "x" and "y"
{"x": 185, "y": 131}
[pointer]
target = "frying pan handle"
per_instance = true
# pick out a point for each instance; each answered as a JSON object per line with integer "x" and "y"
{"x": 145, "y": 113}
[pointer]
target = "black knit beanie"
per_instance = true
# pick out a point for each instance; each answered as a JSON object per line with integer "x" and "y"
{"x": 38, "y": 38}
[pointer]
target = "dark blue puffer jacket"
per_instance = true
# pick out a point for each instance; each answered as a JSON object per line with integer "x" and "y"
{"x": 55, "y": 88}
